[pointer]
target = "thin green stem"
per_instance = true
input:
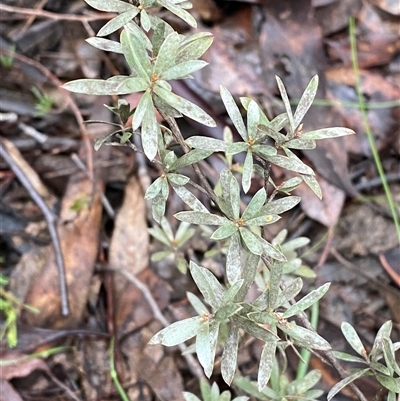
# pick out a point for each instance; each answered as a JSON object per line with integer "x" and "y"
{"x": 114, "y": 374}
{"x": 363, "y": 110}
{"x": 305, "y": 354}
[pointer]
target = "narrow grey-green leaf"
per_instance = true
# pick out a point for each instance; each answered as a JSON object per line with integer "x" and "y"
{"x": 201, "y": 218}
{"x": 158, "y": 207}
{"x": 295, "y": 243}
{"x": 234, "y": 197}
{"x": 253, "y": 328}
{"x": 198, "y": 306}
{"x": 343, "y": 383}
{"x": 267, "y": 361}
{"x": 194, "y": 46}
{"x": 304, "y": 337}
{"x": 300, "y": 143}
{"x": 212, "y": 144}
{"x": 237, "y": 147}
{"x": 165, "y": 58}
{"x": 290, "y": 292}
{"x": 159, "y": 234}
{"x": 178, "y": 179}
{"x": 324, "y": 133}
{"x": 253, "y": 117}
{"x": 352, "y": 338}
{"x": 271, "y": 251}
{"x": 280, "y": 206}
{"x": 145, "y": 20}
{"x": 247, "y": 171}
{"x": 307, "y": 301}
{"x": 154, "y": 189}
{"x": 93, "y": 86}
{"x": 252, "y": 241}
{"x": 274, "y": 134}
{"x": 275, "y": 277}
{"x": 136, "y": 54}
{"x": 227, "y": 311}
{"x": 390, "y": 358}
{"x": 383, "y": 332}
{"x": 177, "y": 332}
{"x": 388, "y": 382}
{"x": 306, "y": 101}
{"x": 183, "y": 70}
{"x": 114, "y": 6}
{"x": 290, "y": 184}
{"x": 132, "y": 85}
{"x": 167, "y": 229}
{"x": 279, "y": 122}
{"x": 150, "y": 131}
{"x": 264, "y": 150}
{"x": 300, "y": 386}
{"x": 208, "y": 285}
{"x": 142, "y": 108}
{"x": 190, "y": 158}
{"x": 347, "y": 357}
{"x": 229, "y": 355}
{"x": 118, "y": 22}
{"x": 233, "y": 262}
{"x": 203, "y": 348}
{"x": 248, "y": 273}
{"x": 255, "y": 204}
{"x": 224, "y": 231}
{"x": 105, "y": 44}
{"x": 175, "y": 9}
{"x": 233, "y": 112}
{"x": 261, "y": 221}
{"x": 135, "y": 30}
{"x": 290, "y": 163}
{"x": 312, "y": 182}
{"x": 286, "y": 103}
{"x": 186, "y": 107}
{"x": 189, "y": 199}
{"x": 231, "y": 293}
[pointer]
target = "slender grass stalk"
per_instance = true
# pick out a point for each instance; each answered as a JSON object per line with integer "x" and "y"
{"x": 114, "y": 375}
{"x": 305, "y": 354}
{"x": 363, "y": 110}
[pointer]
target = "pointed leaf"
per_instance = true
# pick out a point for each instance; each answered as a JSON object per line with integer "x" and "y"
{"x": 263, "y": 220}
{"x": 237, "y": 147}
{"x": 390, "y": 358}
{"x": 304, "y": 337}
{"x": 352, "y": 338}
{"x": 388, "y": 382}
{"x": 189, "y": 199}
{"x": 300, "y": 386}
{"x": 233, "y": 265}
{"x": 306, "y": 101}
{"x": 105, "y": 44}
{"x": 233, "y": 112}
{"x": 347, "y": 357}
{"x": 203, "y": 348}
{"x": 253, "y": 117}
{"x": 208, "y": 285}
{"x": 343, "y": 383}
{"x": 200, "y": 142}
{"x": 175, "y": 9}
{"x": 165, "y": 58}
{"x": 136, "y": 54}
{"x": 231, "y": 293}
{"x": 183, "y": 70}
{"x": 290, "y": 292}
{"x": 300, "y": 143}
{"x": 224, "y": 231}
{"x": 253, "y": 328}
{"x": 177, "y": 332}
{"x": 264, "y": 150}
{"x": 194, "y": 46}
{"x": 290, "y": 163}
{"x": 255, "y": 204}
{"x": 198, "y": 306}
{"x": 234, "y": 192}
{"x": 274, "y": 284}
{"x": 114, "y": 6}
{"x": 177, "y": 179}
{"x": 150, "y": 131}
{"x": 158, "y": 207}
{"x": 267, "y": 361}
{"x": 229, "y": 355}
{"x": 201, "y": 218}
{"x": 190, "y": 158}
{"x": 187, "y": 108}
{"x": 252, "y": 241}
{"x": 145, "y": 20}
{"x": 286, "y": 103}
{"x": 281, "y": 205}
{"x": 324, "y": 133}
{"x": 143, "y": 107}
{"x": 307, "y": 301}
{"x": 247, "y": 172}
{"x": 383, "y": 332}
{"x": 248, "y": 273}
{"x": 269, "y": 250}
{"x": 190, "y": 397}
{"x": 118, "y": 22}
